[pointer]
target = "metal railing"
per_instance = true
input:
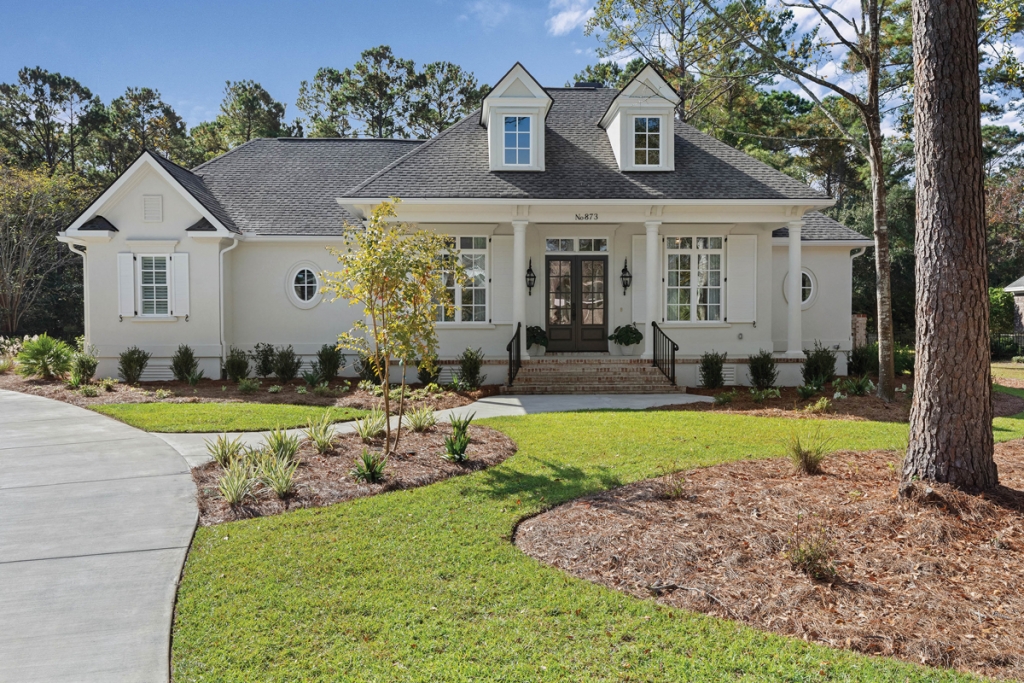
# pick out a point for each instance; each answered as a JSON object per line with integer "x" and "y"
{"x": 664, "y": 353}
{"x": 515, "y": 361}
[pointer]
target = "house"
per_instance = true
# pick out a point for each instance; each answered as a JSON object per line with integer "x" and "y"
{"x": 576, "y": 187}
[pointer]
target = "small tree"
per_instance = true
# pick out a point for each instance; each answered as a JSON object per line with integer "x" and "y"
{"x": 398, "y": 275}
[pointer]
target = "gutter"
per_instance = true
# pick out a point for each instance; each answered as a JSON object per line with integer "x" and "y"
{"x": 223, "y": 341}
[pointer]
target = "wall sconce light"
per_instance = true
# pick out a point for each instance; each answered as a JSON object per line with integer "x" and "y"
{"x": 531, "y": 277}
{"x": 626, "y": 277}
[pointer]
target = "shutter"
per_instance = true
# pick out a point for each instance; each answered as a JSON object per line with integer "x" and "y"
{"x": 741, "y": 279}
{"x": 179, "y": 265}
{"x": 126, "y": 284}
{"x": 639, "y": 285}
{"x": 500, "y": 274}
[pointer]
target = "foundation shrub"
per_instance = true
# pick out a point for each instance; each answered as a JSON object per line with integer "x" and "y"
{"x": 44, "y": 357}
{"x": 762, "y": 370}
{"x": 711, "y": 370}
{"x": 819, "y": 365}
{"x": 132, "y": 363}
{"x": 470, "y": 363}
{"x": 287, "y": 364}
{"x": 263, "y": 357}
{"x": 428, "y": 371}
{"x": 236, "y": 366}
{"x": 184, "y": 363}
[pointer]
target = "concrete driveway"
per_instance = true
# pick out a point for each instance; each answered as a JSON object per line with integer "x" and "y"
{"x": 95, "y": 521}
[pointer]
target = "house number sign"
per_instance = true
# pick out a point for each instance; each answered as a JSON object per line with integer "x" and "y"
{"x": 586, "y": 216}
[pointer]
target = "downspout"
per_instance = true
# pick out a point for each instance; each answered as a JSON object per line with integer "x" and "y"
{"x": 223, "y": 341}
{"x": 73, "y": 246}
{"x": 857, "y": 252}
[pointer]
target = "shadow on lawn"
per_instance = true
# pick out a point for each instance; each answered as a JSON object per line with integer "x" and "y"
{"x": 559, "y": 483}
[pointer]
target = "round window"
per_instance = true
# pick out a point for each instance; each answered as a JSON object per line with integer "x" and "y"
{"x": 808, "y": 288}
{"x": 305, "y": 284}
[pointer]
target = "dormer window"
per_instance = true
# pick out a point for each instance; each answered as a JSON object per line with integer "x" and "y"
{"x": 647, "y": 140}
{"x": 517, "y": 140}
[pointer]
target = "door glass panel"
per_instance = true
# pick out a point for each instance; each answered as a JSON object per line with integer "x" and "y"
{"x": 593, "y": 281}
{"x": 559, "y": 292}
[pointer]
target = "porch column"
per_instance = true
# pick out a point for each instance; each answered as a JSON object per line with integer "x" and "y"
{"x": 653, "y": 287}
{"x": 794, "y": 293}
{"x": 519, "y": 281}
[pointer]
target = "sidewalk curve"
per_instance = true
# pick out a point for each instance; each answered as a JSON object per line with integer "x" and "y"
{"x": 95, "y": 522}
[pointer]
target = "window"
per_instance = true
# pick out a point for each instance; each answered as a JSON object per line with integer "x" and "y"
{"x": 305, "y": 284}
{"x": 517, "y": 140}
{"x": 647, "y": 141}
{"x": 693, "y": 279}
{"x": 557, "y": 244}
{"x": 808, "y": 288}
{"x": 154, "y": 285}
{"x": 470, "y": 300}
{"x": 587, "y": 244}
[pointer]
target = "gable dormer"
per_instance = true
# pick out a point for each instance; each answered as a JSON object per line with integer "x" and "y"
{"x": 513, "y": 113}
{"x": 640, "y": 123}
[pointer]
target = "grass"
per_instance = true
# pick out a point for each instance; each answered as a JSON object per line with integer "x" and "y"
{"x": 425, "y": 585}
{"x": 1008, "y": 370}
{"x": 220, "y": 417}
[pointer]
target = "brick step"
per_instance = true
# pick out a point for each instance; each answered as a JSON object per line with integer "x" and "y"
{"x": 579, "y": 379}
{"x": 593, "y": 389}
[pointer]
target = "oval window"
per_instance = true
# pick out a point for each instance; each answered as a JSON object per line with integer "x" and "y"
{"x": 305, "y": 284}
{"x": 807, "y": 287}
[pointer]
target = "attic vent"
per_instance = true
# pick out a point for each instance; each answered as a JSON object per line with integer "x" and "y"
{"x": 152, "y": 208}
{"x": 729, "y": 374}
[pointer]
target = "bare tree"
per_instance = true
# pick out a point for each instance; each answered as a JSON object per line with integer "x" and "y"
{"x": 33, "y": 208}
{"x": 951, "y": 417}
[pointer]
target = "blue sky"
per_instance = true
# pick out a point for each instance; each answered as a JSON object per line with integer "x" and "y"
{"x": 187, "y": 49}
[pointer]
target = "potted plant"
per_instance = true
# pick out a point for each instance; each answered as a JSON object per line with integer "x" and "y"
{"x": 536, "y": 340}
{"x": 626, "y": 340}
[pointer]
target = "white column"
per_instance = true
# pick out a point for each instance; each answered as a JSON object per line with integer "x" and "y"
{"x": 519, "y": 280}
{"x": 794, "y": 294}
{"x": 653, "y": 286}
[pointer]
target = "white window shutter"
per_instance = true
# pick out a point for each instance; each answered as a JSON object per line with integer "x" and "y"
{"x": 126, "y": 284}
{"x": 639, "y": 269}
{"x": 500, "y": 273}
{"x": 741, "y": 279}
{"x": 179, "y": 268}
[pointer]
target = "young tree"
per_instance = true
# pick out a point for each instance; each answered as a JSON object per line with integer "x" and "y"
{"x": 443, "y": 94}
{"x": 397, "y": 274}
{"x": 46, "y": 117}
{"x": 33, "y": 208}
{"x": 951, "y": 417}
{"x": 138, "y": 120}
{"x": 248, "y": 111}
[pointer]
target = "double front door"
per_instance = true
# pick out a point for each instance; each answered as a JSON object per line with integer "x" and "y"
{"x": 577, "y": 303}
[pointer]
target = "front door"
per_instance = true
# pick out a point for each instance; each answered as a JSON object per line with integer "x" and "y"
{"x": 577, "y": 303}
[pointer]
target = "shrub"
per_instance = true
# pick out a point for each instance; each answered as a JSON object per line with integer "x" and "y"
{"x": 863, "y": 360}
{"x": 194, "y": 378}
{"x": 323, "y": 390}
{"x": 263, "y": 357}
{"x": 428, "y": 371}
{"x": 536, "y": 336}
{"x": 371, "y": 426}
{"x": 320, "y": 433}
{"x": 367, "y": 370}
{"x": 163, "y": 393}
{"x": 274, "y": 389}
{"x": 237, "y": 365}
{"x": 857, "y": 386}
{"x": 132, "y": 363}
{"x": 626, "y": 335}
{"x": 328, "y": 362}
{"x": 301, "y": 390}
{"x": 455, "y": 447}
{"x": 813, "y": 555}
{"x": 822, "y": 405}
{"x": 711, "y": 370}
{"x": 470, "y": 362}
{"x": 236, "y": 484}
{"x": 282, "y": 445}
{"x": 44, "y": 357}
{"x": 762, "y": 395}
{"x": 762, "y": 370}
{"x": 223, "y": 450}
{"x": 287, "y": 364}
{"x": 819, "y": 365}
{"x": 248, "y": 385}
{"x": 311, "y": 378}
{"x": 461, "y": 424}
{"x": 184, "y": 363}
{"x": 421, "y": 419}
{"x": 807, "y": 454}
{"x": 1001, "y": 311}
{"x": 6, "y": 363}
{"x": 672, "y": 487}
{"x": 903, "y": 358}
{"x": 108, "y": 383}
{"x": 83, "y": 363}
{"x": 807, "y": 391}
{"x": 89, "y": 391}
{"x": 1018, "y": 359}
{"x": 278, "y": 475}
{"x": 726, "y": 397}
{"x": 369, "y": 467}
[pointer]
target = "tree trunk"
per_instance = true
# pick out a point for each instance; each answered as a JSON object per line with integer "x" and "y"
{"x": 883, "y": 289}
{"x": 951, "y": 418}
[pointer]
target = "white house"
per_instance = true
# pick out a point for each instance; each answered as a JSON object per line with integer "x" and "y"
{"x": 575, "y": 186}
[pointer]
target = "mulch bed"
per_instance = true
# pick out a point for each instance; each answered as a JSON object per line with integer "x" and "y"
{"x": 326, "y": 479}
{"x": 934, "y": 579}
{"x": 850, "y": 408}
{"x": 212, "y": 391}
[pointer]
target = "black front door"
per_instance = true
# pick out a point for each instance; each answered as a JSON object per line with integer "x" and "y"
{"x": 577, "y": 304}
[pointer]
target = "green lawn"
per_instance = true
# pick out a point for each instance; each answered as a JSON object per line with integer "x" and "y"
{"x": 1008, "y": 370}
{"x": 424, "y": 585}
{"x": 219, "y": 417}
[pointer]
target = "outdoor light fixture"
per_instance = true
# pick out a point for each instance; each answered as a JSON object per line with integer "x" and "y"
{"x": 531, "y": 277}
{"x": 627, "y": 277}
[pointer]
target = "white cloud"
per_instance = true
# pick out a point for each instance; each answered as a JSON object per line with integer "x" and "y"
{"x": 489, "y": 13}
{"x": 569, "y": 15}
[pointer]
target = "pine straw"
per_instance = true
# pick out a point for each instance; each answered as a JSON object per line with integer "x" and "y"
{"x": 933, "y": 580}
{"x": 326, "y": 479}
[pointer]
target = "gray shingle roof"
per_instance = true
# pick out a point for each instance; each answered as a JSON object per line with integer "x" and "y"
{"x": 98, "y": 223}
{"x": 198, "y": 189}
{"x": 288, "y": 186}
{"x": 818, "y": 227}
{"x": 579, "y": 163}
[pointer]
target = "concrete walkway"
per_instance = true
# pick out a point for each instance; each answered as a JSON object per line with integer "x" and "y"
{"x": 95, "y": 522}
{"x": 193, "y": 446}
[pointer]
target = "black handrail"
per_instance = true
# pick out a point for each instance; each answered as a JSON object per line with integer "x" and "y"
{"x": 515, "y": 361}
{"x": 664, "y": 353}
